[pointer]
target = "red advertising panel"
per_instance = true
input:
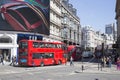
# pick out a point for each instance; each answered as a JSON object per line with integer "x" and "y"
{"x": 25, "y": 15}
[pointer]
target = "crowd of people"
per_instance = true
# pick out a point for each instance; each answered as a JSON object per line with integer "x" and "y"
{"x": 12, "y": 63}
{"x": 106, "y": 61}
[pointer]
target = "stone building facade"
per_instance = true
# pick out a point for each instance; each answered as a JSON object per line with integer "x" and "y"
{"x": 117, "y": 10}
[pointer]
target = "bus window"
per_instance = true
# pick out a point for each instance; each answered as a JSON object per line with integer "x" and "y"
{"x": 37, "y": 55}
{"x": 23, "y": 54}
{"x": 50, "y": 45}
{"x": 55, "y": 45}
{"x": 59, "y": 45}
{"x": 51, "y": 55}
{"x": 48, "y": 55}
{"x": 35, "y": 44}
{"x": 46, "y": 45}
{"x": 23, "y": 45}
{"x": 41, "y": 45}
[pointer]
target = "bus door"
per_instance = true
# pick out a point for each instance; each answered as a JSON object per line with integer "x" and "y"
{"x": 23, "y": 53}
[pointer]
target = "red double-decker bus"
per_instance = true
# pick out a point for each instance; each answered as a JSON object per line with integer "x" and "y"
{"x": 75, "y": 52}
{"x": 40, "y": 53}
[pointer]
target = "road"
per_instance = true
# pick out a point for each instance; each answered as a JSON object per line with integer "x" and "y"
{"x": 58, "y": 72}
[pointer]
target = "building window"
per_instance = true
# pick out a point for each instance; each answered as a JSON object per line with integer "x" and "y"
{"x": 5, "y": 40}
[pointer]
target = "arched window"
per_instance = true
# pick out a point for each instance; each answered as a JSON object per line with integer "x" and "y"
{"x": 5, "y": 39}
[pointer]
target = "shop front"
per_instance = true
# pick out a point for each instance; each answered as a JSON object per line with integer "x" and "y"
{"x": 8, "y": 46}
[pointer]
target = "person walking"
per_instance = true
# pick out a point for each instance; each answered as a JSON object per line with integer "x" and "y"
{"x": 109, "y": 62}
{"x": 13, "y": 61}
{"x": 2, "y": 60}
{"x": 118, "y": 63}
{"x": 71, "y": 61}
{"x": 103, "y": 61}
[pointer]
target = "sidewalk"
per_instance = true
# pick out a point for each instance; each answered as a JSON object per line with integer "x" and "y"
{"x": 93, "y": 68}
{"x": 5, "y": 63}
{"x": 8, "y": 64}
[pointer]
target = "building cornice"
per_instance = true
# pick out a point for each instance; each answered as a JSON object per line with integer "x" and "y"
{"x": 58, "y": 2}
{"x": 75, "y": 17}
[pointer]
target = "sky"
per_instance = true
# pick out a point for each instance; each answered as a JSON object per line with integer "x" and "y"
{"x": 96, "y": 13}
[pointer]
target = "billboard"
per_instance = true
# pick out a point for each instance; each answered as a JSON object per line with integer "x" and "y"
{"x": 25, "y": 15}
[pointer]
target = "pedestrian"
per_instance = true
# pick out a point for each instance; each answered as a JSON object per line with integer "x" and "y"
{"x": 118, "y": 64}
{"x": 66, "y": 61}
{"x": 13, "y": 61}
{"x": 2, "y": 60}
{"x": 71, "y": 61}
{"x": 109, "y": 62}
{"x": 102, "y": 62}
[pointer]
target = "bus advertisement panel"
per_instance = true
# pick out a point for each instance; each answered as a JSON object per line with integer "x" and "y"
{"x": 40, "y": 53}
{"x": 25, "y": 15}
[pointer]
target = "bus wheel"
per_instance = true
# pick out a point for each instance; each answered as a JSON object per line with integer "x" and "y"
{"x": 42, "y": 64}
{"x": 59, "y": 62}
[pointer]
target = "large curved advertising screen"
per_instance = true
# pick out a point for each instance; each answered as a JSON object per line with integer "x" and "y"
{"x": 25, "y": 15}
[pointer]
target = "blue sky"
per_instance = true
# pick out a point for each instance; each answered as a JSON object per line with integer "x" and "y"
{"x": 96, "y": 13}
